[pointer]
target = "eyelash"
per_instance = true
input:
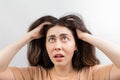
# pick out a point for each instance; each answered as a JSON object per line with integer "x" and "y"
{"x": 64, "y": 39}
{"x": 49, "y": 40}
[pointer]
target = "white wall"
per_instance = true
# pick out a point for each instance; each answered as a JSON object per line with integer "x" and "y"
{"x": 100, "y": 16}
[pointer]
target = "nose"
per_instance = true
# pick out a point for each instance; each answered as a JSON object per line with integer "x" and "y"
{"x": 58, "y": 46}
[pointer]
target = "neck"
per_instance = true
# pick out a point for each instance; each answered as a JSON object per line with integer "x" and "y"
{"x": 62, "y": 70}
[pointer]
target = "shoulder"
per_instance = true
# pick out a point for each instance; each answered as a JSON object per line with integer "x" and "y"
{"x": 102, "y": 67}
{"x": 99, "y": 72}
{"x": 29, "y": 69}
{"x": 28, "y": 72}
{"x": 115, "y": 73}
{"x": 106, "y": 72}
{"x": 96, "y": 72}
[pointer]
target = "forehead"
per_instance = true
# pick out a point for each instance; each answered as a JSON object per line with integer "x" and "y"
{"x": 57, "y": 30}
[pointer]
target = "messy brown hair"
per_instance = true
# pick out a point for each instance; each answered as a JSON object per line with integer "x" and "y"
{"x": 83, "y": 57}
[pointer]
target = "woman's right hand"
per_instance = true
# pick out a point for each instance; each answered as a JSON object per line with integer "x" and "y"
{"x": 35, "y": 33}
{"x": 7, "y": 53}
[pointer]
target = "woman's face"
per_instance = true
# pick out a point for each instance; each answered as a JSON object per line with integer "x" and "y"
{"x": 60, "y": 45}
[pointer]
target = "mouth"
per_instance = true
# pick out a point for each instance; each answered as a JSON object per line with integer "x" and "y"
{"x": 58, "y": 57}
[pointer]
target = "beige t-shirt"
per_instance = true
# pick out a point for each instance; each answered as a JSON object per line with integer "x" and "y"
{"x": 39, "y": 73}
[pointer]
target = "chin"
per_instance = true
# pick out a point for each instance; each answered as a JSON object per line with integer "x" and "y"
{"x": 60, "y": 64}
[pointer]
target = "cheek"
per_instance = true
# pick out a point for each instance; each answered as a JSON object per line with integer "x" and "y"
{"x": 70, "y": 48}
{"x": 49, "y": 49}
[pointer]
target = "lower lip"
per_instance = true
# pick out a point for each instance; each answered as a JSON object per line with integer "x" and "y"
{"x": 59, "y": 59}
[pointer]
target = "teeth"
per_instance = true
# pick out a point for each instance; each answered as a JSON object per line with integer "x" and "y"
{"x": 58, "y": 55}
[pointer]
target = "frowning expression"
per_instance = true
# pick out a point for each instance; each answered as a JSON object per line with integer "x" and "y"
{"x": 60, "y": 45}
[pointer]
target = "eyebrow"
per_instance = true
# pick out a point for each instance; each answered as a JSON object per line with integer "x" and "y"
{"x": 63, "y": 34}
{"x": 51, "y": 36}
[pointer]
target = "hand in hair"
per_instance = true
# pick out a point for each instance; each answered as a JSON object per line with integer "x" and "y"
{"x": 81, "y": 34}
{"x": 35, "y": 33}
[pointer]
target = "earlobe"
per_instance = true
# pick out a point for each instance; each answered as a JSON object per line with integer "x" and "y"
{"x": 76, "y": 51}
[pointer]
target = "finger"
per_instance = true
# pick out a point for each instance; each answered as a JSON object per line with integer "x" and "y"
{"x": 39, "y": 27}
{"x": 45, "y": 23}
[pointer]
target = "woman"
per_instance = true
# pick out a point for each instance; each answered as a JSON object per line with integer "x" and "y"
{"x": 60, "y": 49}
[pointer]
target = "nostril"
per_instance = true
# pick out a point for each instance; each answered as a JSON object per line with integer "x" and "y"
{"x": 57, "y": 48}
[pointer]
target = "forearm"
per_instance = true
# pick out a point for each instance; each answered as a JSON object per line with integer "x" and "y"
{"x": 7, "y": 53}
{"x": 110, "y": 49}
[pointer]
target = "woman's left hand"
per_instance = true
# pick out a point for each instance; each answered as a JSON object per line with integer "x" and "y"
{"x": 81, "y": 35}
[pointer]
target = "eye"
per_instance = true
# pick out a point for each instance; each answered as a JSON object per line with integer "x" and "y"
{"x": 65, "y": 38}
{"x": 51, "y": 40}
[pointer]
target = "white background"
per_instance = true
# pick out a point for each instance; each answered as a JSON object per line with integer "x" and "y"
{"x": 102, "y": 18}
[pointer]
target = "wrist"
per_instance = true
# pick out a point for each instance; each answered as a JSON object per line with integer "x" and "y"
{"x": 84, "y": 36}
{"x": 29, "y": 37}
